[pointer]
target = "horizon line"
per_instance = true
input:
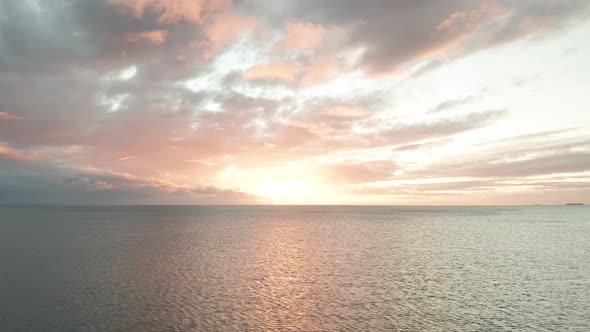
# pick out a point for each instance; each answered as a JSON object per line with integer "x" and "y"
{"x": 294, "y": 205}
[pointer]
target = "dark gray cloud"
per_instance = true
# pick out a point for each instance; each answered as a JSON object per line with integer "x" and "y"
{"x": 32, "y": 33}
{"x": 395, "y": 32}
{"x": 53, "y": 36}
{"x": 42, "y": 182}
{"x": 533, "y": 16}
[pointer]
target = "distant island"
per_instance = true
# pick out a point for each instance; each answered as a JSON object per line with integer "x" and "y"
{"x": 574, "y": 204}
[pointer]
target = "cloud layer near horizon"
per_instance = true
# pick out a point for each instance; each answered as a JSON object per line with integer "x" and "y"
{"x": 220, "y": 102}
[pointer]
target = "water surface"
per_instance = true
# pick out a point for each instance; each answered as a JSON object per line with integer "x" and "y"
{"x": 283, "y": 268}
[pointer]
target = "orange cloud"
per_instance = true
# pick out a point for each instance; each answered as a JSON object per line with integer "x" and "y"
{"x": 11, "y": 153}
{"x": 358, "y": 173}
{"x": 8, "y": 116}
{"x": 467, "y": 20}
{"x": 302, "y": 36}
{"x": 287, "y": 71}
{"x": 302, "y": 74}
{"x": 154, "y": 37}
{"x": 322, "y": 70}
{"x": 172, "y": 11}
{"x": 225, "y": 28}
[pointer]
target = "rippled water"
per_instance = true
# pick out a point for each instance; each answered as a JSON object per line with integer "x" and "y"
{"x": 295, "y": 268}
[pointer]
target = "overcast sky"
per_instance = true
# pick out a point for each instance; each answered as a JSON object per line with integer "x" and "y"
{"x": 294, "y": 102}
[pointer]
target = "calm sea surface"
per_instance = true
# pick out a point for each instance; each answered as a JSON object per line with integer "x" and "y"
{"x": 285, "y": 268}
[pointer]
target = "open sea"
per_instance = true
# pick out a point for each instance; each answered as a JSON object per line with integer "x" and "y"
{"x": 295, "y": 268}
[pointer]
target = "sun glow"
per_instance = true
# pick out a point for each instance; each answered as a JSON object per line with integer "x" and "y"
{"x": 283, "y": 190}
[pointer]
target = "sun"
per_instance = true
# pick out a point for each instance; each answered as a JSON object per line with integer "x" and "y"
{"x": 283, "y": 190}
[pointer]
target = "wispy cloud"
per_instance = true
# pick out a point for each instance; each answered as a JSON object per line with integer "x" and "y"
{"x": 8, "y": 116}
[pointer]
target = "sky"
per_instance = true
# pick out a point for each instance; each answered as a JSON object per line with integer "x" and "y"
{"x": 388, "y": 102}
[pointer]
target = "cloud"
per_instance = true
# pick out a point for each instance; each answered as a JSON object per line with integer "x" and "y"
{"x": 394, "y": 33}
{"x": 88, "y": 185}
{"x": 152, "y": 101}
{"x": 405, "y": 133}
{"x": 286, "y": 72}
{"x": 480, "y": 193}
{"x": 358, "y": 173}
{"x": 294, "y": 73}
{"x": 11, "y": 153}
{"x": 452, "y": 103}
{"x": 155, "y": 36}
{"x": 569, "y": 162}
{"x": 526, "y": 158}
{"x": 27, "y": 37}
{"x": 170, "y": 37}
{"x": 425, "y": 145}
{"x": 301, "y": 36}
{"x": 172, "y": 11}
{"x": 8, "y": 116}
{"x": 34, "y": 182}
{"x": 225, "y": 28}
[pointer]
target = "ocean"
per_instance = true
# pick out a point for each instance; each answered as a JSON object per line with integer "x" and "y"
{"x": 295, "y": 268}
